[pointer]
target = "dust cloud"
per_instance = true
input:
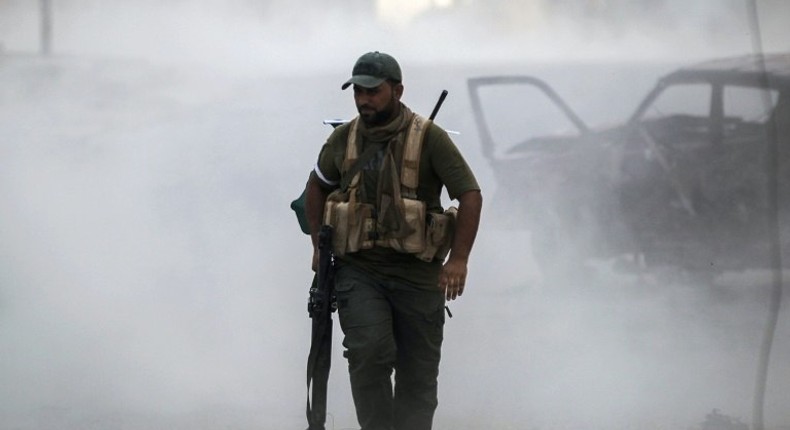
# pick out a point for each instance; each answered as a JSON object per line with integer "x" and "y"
{"x": 152, "y": 275}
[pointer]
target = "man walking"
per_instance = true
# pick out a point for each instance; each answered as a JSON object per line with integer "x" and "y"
{"x": 399, "y": 254}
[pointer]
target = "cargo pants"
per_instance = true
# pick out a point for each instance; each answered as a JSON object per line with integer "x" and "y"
{"x": 390, "y": 326}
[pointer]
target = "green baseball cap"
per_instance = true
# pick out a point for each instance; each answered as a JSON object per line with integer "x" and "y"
{"x": 372, "y": 69}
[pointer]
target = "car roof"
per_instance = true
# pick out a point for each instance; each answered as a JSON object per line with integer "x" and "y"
{"x": 745, "y": 69}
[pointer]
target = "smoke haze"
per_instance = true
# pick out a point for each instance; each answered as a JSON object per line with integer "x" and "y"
{"x": 152, "y": 275}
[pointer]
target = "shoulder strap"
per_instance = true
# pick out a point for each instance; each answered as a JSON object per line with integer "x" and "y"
{"x": 410, "y": 165}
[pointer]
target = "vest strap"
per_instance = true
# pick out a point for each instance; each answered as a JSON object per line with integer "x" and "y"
{"x": 410, "y": 165}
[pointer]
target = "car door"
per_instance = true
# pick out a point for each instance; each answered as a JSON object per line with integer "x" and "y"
{"x": 668, "y": 141}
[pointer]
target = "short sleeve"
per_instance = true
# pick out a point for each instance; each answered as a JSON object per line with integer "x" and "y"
{"x": 449, "y": 164}
{"x": 327, "y": 168}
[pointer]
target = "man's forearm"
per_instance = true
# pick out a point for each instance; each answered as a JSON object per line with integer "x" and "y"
{"x": 470, "y": 204}
{"x": 314, "y": 206}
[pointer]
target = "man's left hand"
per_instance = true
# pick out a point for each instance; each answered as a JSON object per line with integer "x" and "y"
{"x": 452, "y": 278}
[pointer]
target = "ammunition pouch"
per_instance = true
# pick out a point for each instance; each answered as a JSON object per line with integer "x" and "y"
{"x": 439, "y": 234}
{"x": 413, "y": 243}
{"x": 355, "y": 228}
{"x": 352, "y": 223}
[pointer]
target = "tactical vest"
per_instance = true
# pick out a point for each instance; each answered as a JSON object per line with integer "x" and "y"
{"x": 357, "y": 225}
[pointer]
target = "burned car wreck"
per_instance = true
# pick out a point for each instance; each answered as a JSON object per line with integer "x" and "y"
{"x": 684, "y": 182}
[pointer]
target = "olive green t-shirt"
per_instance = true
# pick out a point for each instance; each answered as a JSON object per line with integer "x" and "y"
{"x": 441, "y": 165}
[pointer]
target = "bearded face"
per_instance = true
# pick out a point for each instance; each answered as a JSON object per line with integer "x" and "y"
{"x": 378, "y": 105}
